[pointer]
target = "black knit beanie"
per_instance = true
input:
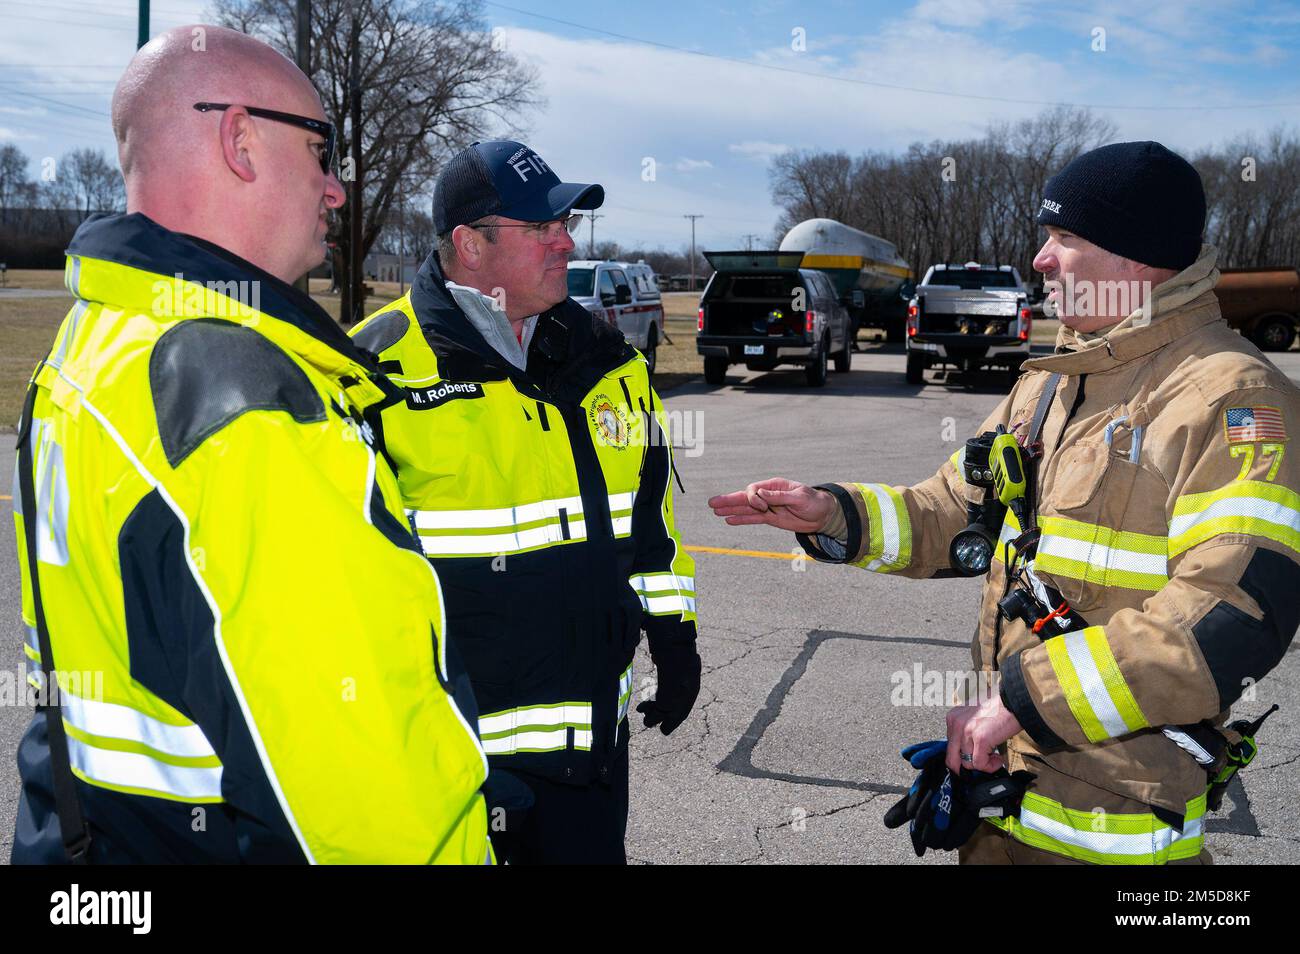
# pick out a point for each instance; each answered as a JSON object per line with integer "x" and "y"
{"x": 1135, "y": 199}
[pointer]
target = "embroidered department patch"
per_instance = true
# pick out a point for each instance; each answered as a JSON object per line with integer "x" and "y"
{"x": 608, "y": 422}
{"x": 1248, "y": 424}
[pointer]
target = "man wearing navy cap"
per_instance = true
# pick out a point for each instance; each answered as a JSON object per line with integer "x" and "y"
{"x": 534, "y": 462}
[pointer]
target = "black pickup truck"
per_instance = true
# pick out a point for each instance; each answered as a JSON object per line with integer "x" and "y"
{"x": 760, "y": 309}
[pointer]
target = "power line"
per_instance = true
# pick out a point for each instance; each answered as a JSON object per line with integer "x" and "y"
{"x": 46, "y": 99}
{"x": 874, "y": 83}
{"x": 75, "y": 23}
{"x": 85, "y": 10}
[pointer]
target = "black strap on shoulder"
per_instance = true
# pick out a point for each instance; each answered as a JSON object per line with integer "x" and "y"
{"x": 72, "y": 823}
{"x": 1028, "y": 540}
{"x": 1044, "y": 404}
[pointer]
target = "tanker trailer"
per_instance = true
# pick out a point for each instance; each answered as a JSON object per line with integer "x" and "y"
{"x": 868, "y": 273}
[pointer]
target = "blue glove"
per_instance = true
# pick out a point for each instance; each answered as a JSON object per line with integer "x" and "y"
{"x": 944, "y": 810}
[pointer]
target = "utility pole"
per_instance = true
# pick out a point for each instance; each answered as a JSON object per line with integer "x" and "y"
{"x": 401, "y": 241}
{"x": 591, "y": 242}
{"x": 357, "y": 278}
{"x": 302, "y": 56}
{"x": 692, "y": 218}
{"x": 142, "y": 33}
{"x": 749, "y": 241}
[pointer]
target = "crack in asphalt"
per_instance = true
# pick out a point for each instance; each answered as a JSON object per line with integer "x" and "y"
{"x": 1265, "y": 768}
{"x": 759, "y": 829}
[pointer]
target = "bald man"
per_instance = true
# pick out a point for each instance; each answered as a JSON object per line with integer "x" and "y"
{"x": 194, "y": 475}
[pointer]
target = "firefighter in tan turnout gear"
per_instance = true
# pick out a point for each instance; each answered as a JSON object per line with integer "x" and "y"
{"x": 1165, "y": 537}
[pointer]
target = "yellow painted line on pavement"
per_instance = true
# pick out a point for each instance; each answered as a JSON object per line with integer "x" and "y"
{"x": 5, "y": 497}
{"x": 764, "y": 554}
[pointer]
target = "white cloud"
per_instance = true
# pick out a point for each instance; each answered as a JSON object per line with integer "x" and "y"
{"x": 691, "y": 165}
{"x": 612, "y": 105}
{"x": 759, "y": 149}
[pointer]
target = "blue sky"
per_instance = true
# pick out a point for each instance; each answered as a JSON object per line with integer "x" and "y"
{"x": 710, "y": 91}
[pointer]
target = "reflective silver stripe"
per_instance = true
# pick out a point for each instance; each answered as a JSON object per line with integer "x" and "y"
{"x": 549, "y": 740}
{"x": 72, "y": 277}
{"x": 1269, "y": 511}
{"x": 560, "y": 714}
{"x": 503, "y": 517}
{"x": 52, "y": 498}
{"x": 624, "y": 693}
{"x": 1093, "y": 684}
{"x": 74, "y": 319}
{"x": 1102, "y": 557}
{"x": 622, "y": 501}
{"x": 622, "y": 525}
{"x": 891, "y": 534}
{"x": 563, "y": 516}
{"x": 1110, "y": 843}
{"x": 17, "y": 497}
{"x": 32, "y": 639}
{"x": 491, "y": 544}
{"x": 110, "y": 720}
{"x": 133, "y": 770}
{"x": 669, "y": 603}
{"x": 1188, "y": 745}
{"x": 665, "y": 592}
{"x": 536, "y": 728}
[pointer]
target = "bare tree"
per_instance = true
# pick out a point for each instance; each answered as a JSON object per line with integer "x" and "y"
{"x": 88, "y": 182}
{"x": 13, "y": 174}
{"x": 943, "y": 200}
{"x": 432, "y": 80}
{"x": 1252, "y": 190}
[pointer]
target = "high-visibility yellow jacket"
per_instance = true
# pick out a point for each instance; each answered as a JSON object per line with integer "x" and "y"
{"x": 543, "y": 497}
{"x": 251, "y": 642}
{"x": 1170, "y": 519}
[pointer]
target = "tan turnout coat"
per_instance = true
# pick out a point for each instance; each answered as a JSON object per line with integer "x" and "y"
{"x": 1180, "y": 555}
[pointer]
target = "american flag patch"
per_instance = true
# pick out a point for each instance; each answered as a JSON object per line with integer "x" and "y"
{"x": 1245, "y": 424}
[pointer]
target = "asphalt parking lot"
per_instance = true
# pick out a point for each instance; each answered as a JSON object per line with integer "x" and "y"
{"x": 792, "y": 753}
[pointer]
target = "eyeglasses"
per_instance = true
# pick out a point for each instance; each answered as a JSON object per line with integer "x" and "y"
{"x": 545, "y": 232}
{"x": 318, "y": 126}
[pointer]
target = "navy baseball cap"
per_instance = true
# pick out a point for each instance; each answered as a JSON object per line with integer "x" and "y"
{"x": 505, "y": 178}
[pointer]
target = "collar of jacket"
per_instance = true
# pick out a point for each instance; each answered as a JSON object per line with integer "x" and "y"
{"x": 130, "y": 261}
{"x": 1178, "y": 307}
{"x": 569, "y": 349}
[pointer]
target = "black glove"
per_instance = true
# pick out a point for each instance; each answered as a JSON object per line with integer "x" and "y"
{"x": 510, "y": 799}
{"x": 945, "y": 811}
{"x": 678, "y": 666}
{"x": 509, "y": 802}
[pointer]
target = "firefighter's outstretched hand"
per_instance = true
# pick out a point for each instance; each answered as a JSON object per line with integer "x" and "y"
{"x": 782, "y": 503}
{"x": 976, "y": 732}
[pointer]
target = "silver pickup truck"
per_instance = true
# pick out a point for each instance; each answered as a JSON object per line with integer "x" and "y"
{"x": 968, "y": 316}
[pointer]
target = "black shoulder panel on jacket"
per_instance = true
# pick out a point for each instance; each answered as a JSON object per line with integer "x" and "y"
{"x": 1237, "y": 647}
{"x": 205, "y": 373}
{"x": 383, "y": 332}
{"x": 173, "y": 653}
{"x": 398, "y": 533}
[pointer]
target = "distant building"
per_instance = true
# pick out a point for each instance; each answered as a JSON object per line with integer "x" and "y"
{"x": 382, "y": 267}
